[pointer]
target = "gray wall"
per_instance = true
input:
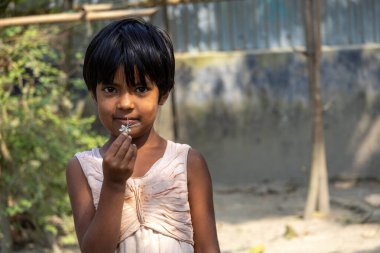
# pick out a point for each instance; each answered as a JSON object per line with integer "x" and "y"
{"x": 246, "y": 108}
{"x": 244, "y": 102}
{"x": 249, "y": 114}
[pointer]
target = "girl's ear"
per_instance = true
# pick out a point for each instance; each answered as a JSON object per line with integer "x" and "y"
{"x": 164, "y": 98}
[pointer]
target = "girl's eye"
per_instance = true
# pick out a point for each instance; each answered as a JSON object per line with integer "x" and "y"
{"x": 109, "y": 89}
{"x": 141, "y": 89}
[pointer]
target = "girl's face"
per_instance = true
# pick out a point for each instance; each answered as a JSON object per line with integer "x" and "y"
{"x": 119, "y": 104}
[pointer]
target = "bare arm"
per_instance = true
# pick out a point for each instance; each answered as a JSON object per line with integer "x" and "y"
{"x": 99, "y": 230}
{"x": 201, "y": 205}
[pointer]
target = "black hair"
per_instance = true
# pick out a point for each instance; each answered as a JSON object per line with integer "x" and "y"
{"x": 133, "y": 44}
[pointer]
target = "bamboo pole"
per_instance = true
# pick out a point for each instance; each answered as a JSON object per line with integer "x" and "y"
{"x": 70, "y": 17}
{"x": 318, "y": 195}
{"x": 97, "y": 7}
{"x": 173, "y": 92}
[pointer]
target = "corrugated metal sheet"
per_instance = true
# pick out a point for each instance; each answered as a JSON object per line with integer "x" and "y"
{"x": 267, "y": 24}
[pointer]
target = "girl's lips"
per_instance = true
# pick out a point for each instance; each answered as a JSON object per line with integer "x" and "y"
{"x": 125, "y": 121}
{"x": 121, "y": 121}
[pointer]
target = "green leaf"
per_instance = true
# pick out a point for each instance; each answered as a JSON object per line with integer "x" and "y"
{"x": 290, "y": 232}
{"x": 257, "y": 249}
{"x": 38, "y": 125}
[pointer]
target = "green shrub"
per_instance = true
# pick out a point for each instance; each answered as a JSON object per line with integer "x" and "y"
{"x": 39, "y": 129}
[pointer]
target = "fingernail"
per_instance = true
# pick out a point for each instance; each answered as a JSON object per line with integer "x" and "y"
{"x": 124, "y": 133}
{"x": 129, "y": 137}
{"x": 134, "y": 145}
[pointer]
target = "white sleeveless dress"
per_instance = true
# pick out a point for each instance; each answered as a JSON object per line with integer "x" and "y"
{"x": 156, "y": 212}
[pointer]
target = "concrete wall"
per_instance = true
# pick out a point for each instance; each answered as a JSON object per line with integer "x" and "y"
{"x": 249, "y": 113}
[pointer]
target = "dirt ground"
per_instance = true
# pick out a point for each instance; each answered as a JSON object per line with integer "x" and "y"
{"x": 267, "y": 218}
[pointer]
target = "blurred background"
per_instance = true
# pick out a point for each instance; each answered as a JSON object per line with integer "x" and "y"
{"x": 242, "y": 98}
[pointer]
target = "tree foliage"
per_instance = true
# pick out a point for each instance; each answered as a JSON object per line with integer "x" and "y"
{"x": 39, "y": 127}
{"x": 9, "y": 8}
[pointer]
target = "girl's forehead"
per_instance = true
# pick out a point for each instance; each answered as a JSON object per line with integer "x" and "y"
{"x": 120, "y": 76}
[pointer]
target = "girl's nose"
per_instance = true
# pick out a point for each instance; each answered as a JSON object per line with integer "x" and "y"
{"x": 125, "y": 101}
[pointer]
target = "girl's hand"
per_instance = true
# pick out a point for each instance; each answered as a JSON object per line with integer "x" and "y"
{"x": 119, "y": 160}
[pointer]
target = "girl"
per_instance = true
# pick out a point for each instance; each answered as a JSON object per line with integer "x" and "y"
{"x": 138, "y": 192}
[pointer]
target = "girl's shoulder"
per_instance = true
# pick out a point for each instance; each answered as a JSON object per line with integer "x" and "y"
{"x": 194, "y": 157}
{"x": 88, "y": 161}
{"x": 196, "y": 163}
{"x": 174, "y": 149}
{"x": 178, "y": 145}
{"x": 94, "y": 152}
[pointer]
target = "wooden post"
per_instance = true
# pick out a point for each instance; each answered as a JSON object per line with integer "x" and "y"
{"x": 173, "y": 93}
{"x": 318, "y": 195}
{"x": 67, "y": 4}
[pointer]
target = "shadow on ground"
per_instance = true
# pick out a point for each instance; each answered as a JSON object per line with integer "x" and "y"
{"x": 270, "y": 200}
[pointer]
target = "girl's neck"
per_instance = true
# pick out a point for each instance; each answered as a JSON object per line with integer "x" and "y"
{"x": 150, "y": 139}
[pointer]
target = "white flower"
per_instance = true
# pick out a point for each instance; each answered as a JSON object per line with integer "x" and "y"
{"x": 124, "y": 128}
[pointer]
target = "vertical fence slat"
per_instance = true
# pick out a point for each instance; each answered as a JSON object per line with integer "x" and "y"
{"x": 260, "y": 23}
{"x": 250, "y": 19}
{"x": 351, "y": 21}
{"x": 271, "y": 30}
{"x": 277, "y": 23}
{"x": 234, "y": 25}
{"x": 254, "y": 26}
{"x": 267, "y": 24}
{"x": 203, "y": 27}
{"x": 299, "y": 33}
{"x": 283, "y": 24}
{"x": 355, "y": 32}
{"x": 193, "y": 28}
{"x": 240, "y": 24}
{"x": 171, "y": 24}
{"x": 225, "y": 26}
{"x": 337, "y": 35}
{"x": 288, "y": 23}
{"x": 218, "y": 20}
{"x": 377, "y": 22}
{"x": 214, "y": 26}
{"x": 371, "y": 21}
{"x": 346, "y": 27}
{"x": 185, "y": 30}
{"x": 178, "y": 24}
{"x": 362, "y": 26}
{"x": 329, "y": 23}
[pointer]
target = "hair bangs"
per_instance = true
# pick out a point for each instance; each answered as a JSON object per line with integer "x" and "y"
{"x": 141, "y": 56}
{"x": 109, "y": 58}
{"x": 143, "y": 50}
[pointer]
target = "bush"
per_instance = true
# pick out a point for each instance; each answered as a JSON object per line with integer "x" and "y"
{"x": 39, "y": 130}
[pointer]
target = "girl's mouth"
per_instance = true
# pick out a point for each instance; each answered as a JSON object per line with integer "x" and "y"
{"x": 128, "y": 125}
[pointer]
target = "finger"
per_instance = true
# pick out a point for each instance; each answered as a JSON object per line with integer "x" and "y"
{"x": 116, "y": 144}
{"x": 131, "y": 154}
{"x": 123, "y": 149}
